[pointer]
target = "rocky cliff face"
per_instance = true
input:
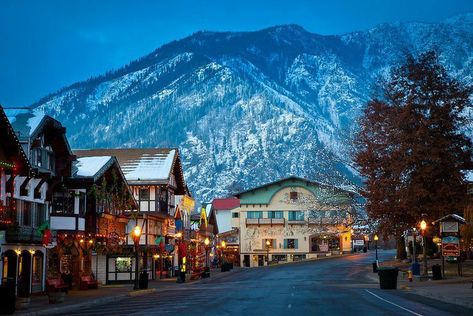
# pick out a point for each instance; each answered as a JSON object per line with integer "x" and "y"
{"x": 248, "y": 108}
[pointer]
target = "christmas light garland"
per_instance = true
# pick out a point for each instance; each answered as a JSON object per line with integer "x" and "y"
{"x": 5, "y": 164}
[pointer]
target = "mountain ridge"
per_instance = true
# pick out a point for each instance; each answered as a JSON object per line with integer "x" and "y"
{"x": 250, "y": 107}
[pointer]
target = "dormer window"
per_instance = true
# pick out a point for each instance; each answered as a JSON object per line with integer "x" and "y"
{"x": 293, "y": 196}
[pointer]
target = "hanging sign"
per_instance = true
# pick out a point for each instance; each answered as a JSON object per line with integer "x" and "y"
{"x": 450, "y": 246}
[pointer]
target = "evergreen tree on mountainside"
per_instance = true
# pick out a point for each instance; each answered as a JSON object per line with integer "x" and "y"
{"x": 411, "y": 148}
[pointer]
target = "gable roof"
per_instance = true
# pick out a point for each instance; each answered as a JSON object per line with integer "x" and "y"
{"x": 312, "y": 182}
{"x": 142, "y": 165}
{"x": 329, "y": 194}
{"x": 28, "y": 123}
{"x": 11, "y": 147}
{"x": 25, "y": 121}
{"x": 92, "y": 167}
{"x": 225, "y": 204}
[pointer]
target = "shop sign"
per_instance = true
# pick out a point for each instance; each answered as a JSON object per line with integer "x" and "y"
{"x": 358, "y": 242}
{"x": 450, "y": 246}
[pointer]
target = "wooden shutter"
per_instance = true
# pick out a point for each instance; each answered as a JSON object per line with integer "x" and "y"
{"x": 296, "y": 243}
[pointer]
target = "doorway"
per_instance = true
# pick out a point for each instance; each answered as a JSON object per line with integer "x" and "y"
{"x": 9, "y": 259}
{"x": 260, "y": 260}
{"x": 246, "y": 261}
{"x": 24, "y": 274}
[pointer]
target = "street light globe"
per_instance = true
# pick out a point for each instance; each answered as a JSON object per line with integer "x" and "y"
{"x": 207, "y": 241}
{"x": 223, "y": 243}
{"x": 137, "y": 231}
{"x": 423, "y": 225}
{"x": 376, "y": 237}
{"x": 268, "y": 242}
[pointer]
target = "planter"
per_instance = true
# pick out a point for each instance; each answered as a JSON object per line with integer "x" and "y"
{"x": 56, "y": 297}
{"x": 22, "y": 303}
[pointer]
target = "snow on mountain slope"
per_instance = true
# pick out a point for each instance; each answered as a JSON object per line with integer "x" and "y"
{"x": 248, "y": 108}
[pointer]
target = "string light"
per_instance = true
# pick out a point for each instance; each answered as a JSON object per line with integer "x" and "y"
{"x": 5, "y": 164}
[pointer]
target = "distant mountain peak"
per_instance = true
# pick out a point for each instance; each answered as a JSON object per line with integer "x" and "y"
{"x": 246, "y": 108}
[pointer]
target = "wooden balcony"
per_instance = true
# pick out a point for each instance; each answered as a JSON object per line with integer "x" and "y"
{"x": 265, "y": 221}
{"x": 23, "y": 234}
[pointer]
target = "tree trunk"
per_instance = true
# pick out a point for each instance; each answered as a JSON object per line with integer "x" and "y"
{"x": 401, "y": 248}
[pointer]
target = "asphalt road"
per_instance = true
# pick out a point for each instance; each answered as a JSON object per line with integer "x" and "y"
{"x": 336, "y": 286}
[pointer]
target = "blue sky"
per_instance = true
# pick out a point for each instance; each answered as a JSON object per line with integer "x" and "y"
{"x": 46, "y": 45}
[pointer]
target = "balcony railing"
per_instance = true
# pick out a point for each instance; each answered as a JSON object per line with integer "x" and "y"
{"x": 23, "y": 234}
{"x": 265, "y": 221}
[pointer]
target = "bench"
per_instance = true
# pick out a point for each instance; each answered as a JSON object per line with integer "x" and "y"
{"x": 87, "y": 282}
{"x": 56, "y": 285}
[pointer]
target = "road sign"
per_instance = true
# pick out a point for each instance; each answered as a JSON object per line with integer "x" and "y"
{"x": 450, "y": 246}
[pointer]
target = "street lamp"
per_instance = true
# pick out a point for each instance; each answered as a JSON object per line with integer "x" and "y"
{"x": 423, "y": 227}
{"x": 222, "y": 251}
{"x": 268, "y": 243}
{"x": 207, "y": 269}
{"x": 376, "y": 247}
{"x": 136, "y": 240}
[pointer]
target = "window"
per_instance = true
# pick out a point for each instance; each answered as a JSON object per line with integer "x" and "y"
{"x": 291, "y": 244}
{"x": 275, "y": 214}
{"x": 144, "y": 194}
{"x": 26, "y": 219}
{"x": 272, "y": 243}
{"x": 235, "y": 215}
{"x": 63, "y": 203}
{"x": 254, "y": 214}
{"x": 293, "y": 196}
{"x": 296, "y": 216}
{"x": 123, "y": 264}
{"x": 40, "y": 214}
{"x": 81, "y": 203}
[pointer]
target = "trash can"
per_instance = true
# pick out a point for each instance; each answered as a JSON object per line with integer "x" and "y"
{"x": 143, "y": 282}
{"x": 436, "y": 272}
{"x": 375, "y": 267}
{"x": 415, "y": 268}
{"x": 7, "y": 293}
{"x": 388, "y": 278}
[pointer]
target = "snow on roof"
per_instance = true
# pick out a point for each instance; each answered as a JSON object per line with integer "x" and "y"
{"x": 35, "y": 120}
{"x": 139, "y": 164}
{"x": 24, "y": 121}
{"x": 149, "y": 166}
{"x": 90, "y": 166}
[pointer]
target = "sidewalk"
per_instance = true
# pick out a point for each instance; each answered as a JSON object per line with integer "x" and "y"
{"x": 454, "y": 289}
{"x": 77, "y": 299}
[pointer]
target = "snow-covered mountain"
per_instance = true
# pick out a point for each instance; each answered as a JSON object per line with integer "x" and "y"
{"x": 248, "y": 108}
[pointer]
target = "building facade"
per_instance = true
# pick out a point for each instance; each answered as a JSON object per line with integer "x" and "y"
{"x": 292, "y": 219}
{"x": 155, "y": 178}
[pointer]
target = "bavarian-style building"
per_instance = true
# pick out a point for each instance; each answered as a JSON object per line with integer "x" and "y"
{"x": 292, "y": 219}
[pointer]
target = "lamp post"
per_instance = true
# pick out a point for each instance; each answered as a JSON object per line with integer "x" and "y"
{"x": 268, "y": 243}
{"x": 222, "y": 251}
{"x": 207, "y": 269}
{"x": 423, "y": 227}
{"x": 136, "y": 240}
{"x": 376, "y": 247}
